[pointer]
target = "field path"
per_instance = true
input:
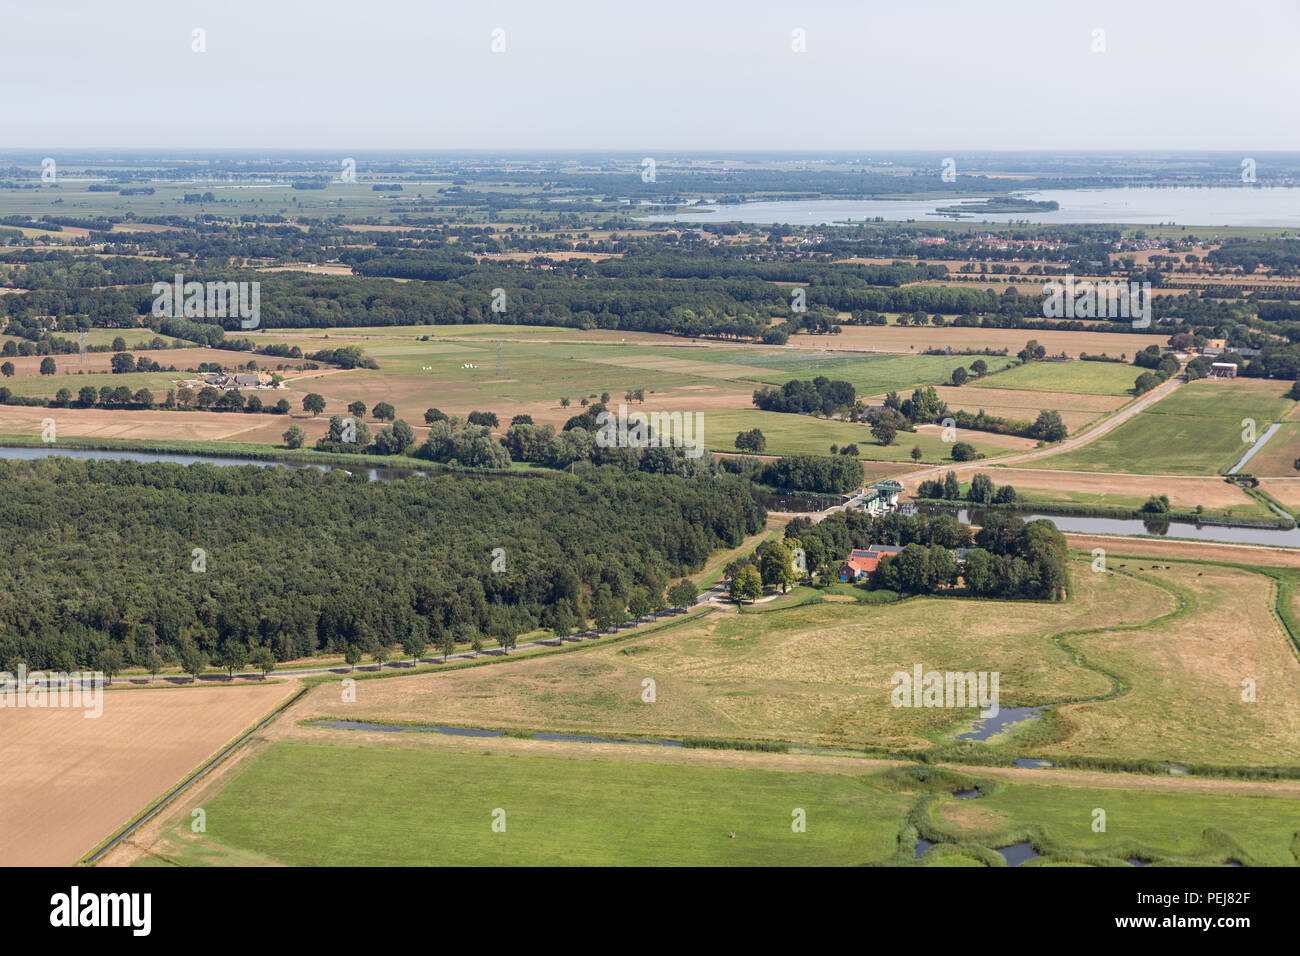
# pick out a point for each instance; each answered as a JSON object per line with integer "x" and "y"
{"x": 1090, "y": 435}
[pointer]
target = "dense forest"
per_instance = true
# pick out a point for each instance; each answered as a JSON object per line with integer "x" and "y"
{"x": 116, "y": 562}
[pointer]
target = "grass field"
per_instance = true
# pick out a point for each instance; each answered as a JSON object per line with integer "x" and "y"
{"x": 1185, "y": 825}
{"x": 1086, "y": 378}
{"x": 385, "y": 802}
{"x": 875, "y": 374}
{"x": 788, "y": 434}
{"x": 817, "y": 674}
{"x": 1196, "y": 430}
{"x": 820, "y": 674}
{"x": 338, "y": 805}
{"x": 1185, "y": 676}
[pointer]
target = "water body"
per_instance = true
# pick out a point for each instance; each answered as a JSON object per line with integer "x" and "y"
{"x": 407, "y": 728}
{"x": 970, "y": 794}
{"x": 474, "y": 732}
{"x": 1032, "y": 763}
{"x": 93, "y": 454}
{"x": 1239, "y": 205}
{"x": 1017, "y": 853}
{"x": 775, "y": 501}
{"x": 1259, "y": 443}
{"x": 1161, "y": 527}
{"x": 921, "y": 847}
{"x": 1007, "y": 717}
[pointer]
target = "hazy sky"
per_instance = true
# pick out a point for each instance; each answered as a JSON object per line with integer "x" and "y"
{"x": 661, "y": 74}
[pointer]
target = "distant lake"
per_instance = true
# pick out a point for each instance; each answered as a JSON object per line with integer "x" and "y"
{"x": 1182, "y": 205}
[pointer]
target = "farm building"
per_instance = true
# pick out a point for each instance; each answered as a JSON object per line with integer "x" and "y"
{"x": 240, "y": 380}
{"x": 1223, "y": 370}
{"x": 862, "y": 561}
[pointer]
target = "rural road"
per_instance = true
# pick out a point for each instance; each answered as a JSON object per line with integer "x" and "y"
{"x": 713, "y": 595}
{"x": 1091, "y": 434}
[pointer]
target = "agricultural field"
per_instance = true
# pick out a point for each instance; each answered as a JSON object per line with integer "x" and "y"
{"x": 1195, "y": 430}
{"x": 1278, "y": 456}
{"x": 1036, "y": 486}
{"x": 1083, "y": 378}
{"x": 873, "y": 375}
{"x": 65, "y": 786}
{"x": 903, "y": 338}
{"x": 344, "y": 804}
{"x": 1076, "y": 410}
{"x": 1285, "y": 490}
{"x": 789, "y": 434}
{"x": 337, "y": 797}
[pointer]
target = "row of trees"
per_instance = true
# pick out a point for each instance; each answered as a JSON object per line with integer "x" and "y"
{"x": 982, "y": 490}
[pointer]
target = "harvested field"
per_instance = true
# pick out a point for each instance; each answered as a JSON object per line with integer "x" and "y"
{"x": 1249, "y": 555}
{"x": 137, "y": 423}
{"x": 1076, "y": 410}
{"x": 991, "y": 439}
{"x": 71, "y": 781}
{"x": 899, "y": 338}
{"x": 1183, "y": 492}
{"x": 1285, "y": 490}
{"x": 29, "y": 366}
{"x": 1278, "y": 456}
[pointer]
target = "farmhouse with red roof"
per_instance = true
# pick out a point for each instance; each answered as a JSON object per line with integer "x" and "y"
{"x": 862, "y": 561}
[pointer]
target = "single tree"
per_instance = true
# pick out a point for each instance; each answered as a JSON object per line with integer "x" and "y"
{"x": 193, "y": 660}
{"x": 263, "y": 659}
{"x": 311, "y": 402}
{"x": 683, "y": 594}
{"x": 413, "y": 646}
{"x": 294, "y": 436}
{"x": 916, "y": 453}
{"x": 47, "y": 366}
{"x": 109, "y": 662}
{"x": 357, "y": 409}
{"x": 232, "y": 655}
{"x": 747, "y": 585}
{"x": 7, "y": 369}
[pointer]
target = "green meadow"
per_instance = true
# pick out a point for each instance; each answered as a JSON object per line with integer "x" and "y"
{"x": 338, "y": 804}
{"x": 1086, "y": 378}
{"x": 789, "y": 434}
{"x": 1199, "y": 429}
{"x": 876, "y": 374}
{"x": 312, "y": 804}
